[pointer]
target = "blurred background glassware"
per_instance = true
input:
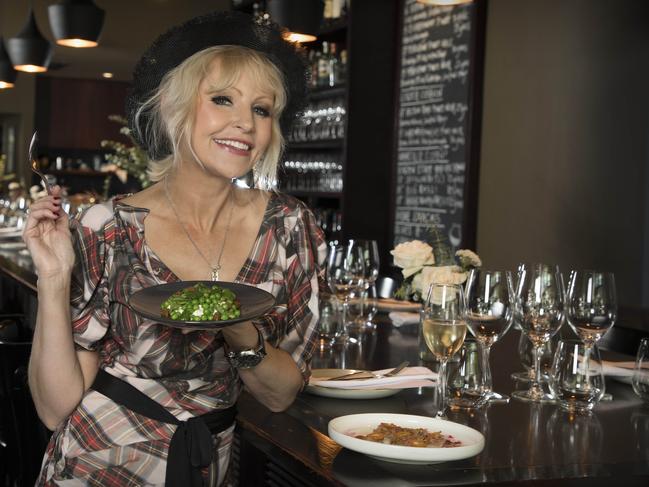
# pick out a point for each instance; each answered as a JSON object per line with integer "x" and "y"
{"x": 577, "y": 377}
{"x": 362, "y": 311}
{"x": 328, "y": 321}
{"x": 443, "y": 326}
{"x": 541, "y": 298}
{"x": 526, "y": 354}
{"x": 465, "y": 378}
{"x": 490, "y": 312}
{"x": 345, "y": 273}
{"x": 640, "y": 379}
{"x": 367, "y": 302}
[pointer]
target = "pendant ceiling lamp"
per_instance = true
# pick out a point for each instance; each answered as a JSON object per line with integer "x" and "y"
{"x": 76, "y": 23}
{"x": 7, "y": 71}
{"x": 29, "y": 51}
{"x": 302, "y": 18}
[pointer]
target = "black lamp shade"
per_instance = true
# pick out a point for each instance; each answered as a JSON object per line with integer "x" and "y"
{"x": 298, "y": 16}
{"x": 76, "y": 23}
{"x": 29, "y": 51}
{"x": 7, "y": 71}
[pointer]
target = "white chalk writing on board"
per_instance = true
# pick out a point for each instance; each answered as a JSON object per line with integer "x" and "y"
{"x": 432, "y": 120}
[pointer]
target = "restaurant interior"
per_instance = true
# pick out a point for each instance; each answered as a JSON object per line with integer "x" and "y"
{"x": 517, "y": 129}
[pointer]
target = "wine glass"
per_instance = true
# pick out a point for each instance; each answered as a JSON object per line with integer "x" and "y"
{"x": 541, "y": 300}
{"x": 371, "y": 259}
{"x": 591, "y": 305}
{"x": 490, "y": 313}
{"x": 345, "y": 276}
{"x": 443, "y": 326}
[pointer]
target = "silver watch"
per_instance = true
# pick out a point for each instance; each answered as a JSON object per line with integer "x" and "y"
{"x": 247, "y": 359}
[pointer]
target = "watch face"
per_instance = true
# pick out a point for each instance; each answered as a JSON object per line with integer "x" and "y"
{"x": 248, "y": 360}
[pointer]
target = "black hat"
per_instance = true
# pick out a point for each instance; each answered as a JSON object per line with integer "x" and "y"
{"x": 214, "y": 29}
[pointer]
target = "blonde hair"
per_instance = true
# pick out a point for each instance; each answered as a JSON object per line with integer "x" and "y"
{"x": 170, "y": 111}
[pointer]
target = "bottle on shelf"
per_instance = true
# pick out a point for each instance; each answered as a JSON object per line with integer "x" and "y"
{"x": 323, "y": 66}
{"x": 333, "y": 69}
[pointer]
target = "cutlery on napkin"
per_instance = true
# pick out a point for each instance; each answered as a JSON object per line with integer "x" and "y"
{"x": 408, "y": 377}
{"x": 400, "y": 318}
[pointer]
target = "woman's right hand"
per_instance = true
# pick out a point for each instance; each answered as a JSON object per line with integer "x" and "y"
{"x": 48, "y": 237}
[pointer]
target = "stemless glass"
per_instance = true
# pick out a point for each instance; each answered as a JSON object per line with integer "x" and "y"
{"x": 540, "y": 296}
{"x": 443, "y": 322}
{"x": 345, "y": 271}
{"x": 577, "y": 378}
{"x": 640, "y": 379}
{"x": 490, "y": 313}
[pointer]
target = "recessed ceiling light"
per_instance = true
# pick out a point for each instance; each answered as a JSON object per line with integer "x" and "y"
{"x": 107, "y": 75}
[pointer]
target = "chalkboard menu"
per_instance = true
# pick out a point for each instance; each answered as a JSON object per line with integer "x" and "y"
{"x": 435, "y": 115}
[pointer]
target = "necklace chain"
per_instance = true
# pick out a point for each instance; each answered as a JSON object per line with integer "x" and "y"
{"x": 214, "y": 273}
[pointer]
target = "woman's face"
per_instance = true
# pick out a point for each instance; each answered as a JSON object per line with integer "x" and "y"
{"x": 232, "y": 127}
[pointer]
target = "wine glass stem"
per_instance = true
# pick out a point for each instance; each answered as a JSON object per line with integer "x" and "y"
{"x": 343, "y": 321}
{"x": 588, "y": 347}
{"x": 537, "y": 352}
{"x": 441, "y": 393}
{"x": 485, "y": 349}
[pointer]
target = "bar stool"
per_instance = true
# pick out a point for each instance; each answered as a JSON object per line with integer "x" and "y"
{"x": 23, "y": 437}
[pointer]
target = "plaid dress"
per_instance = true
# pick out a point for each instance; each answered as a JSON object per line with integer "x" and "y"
{"x": 102, "y": 443}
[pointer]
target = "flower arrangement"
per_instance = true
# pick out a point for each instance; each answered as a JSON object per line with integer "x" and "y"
{"x": 132, "y": 159}
{"x": 421, "y": 265}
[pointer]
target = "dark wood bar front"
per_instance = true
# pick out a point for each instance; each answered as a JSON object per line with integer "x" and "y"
{"x": 526, "y": 444}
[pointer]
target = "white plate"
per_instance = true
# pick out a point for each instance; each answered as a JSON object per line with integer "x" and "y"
{"x": 344, "y": 429}
{"x": 345, "y": 393}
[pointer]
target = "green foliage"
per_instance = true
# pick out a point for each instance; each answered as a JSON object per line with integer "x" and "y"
{"x": 132, "y": 159}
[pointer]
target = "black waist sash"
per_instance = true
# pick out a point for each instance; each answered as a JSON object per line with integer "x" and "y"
{"x": 191, "y": 445}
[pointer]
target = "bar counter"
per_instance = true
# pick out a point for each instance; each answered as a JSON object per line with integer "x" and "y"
{"x": 526, "y": 444}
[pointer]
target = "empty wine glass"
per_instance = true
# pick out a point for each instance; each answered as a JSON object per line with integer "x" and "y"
{"x": 540, "y": 295}
{"x": 345, "y": 274}
{"x": 371, "y": 260}
{"x": 591, "y": 305}
{"x": 490, "y": 313}
{"x": 640, "y": 379}
{"x": 443, "y": 326}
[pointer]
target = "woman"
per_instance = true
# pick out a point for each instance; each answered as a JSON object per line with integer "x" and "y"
{"x": 129, "y": 398}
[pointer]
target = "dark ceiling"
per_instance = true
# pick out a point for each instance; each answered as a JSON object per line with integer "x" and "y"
{"x": 129, "y": 27}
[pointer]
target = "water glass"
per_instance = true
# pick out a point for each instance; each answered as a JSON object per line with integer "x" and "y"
{"x": 328, "y": 322}
{"x": 641, "y": 372}
{"x": 577, "y": 378}
{"x": 465, "y": 378}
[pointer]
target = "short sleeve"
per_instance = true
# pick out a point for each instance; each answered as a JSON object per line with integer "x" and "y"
{"x": 304, "y": 277}
{"x": 89, "y": 290}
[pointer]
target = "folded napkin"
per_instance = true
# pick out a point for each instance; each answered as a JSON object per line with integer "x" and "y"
{"x": 408, "y": 377}
{"x": 400, "y": 318}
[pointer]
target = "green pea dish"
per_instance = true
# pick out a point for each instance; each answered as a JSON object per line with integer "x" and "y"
{"x": 201, "y": 305}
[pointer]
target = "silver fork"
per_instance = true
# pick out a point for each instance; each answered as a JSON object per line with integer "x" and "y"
{"x": 34, "y": 163}
{"x": 371, "y": 375}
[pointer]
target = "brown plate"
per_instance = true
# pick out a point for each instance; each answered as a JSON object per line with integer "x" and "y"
{"x": 254, "y": 303}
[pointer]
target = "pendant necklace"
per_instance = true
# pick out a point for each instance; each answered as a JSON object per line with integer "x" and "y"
{"x": 214, "y": 274}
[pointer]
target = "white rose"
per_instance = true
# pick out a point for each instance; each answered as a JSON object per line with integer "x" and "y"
{"x": 412, "y": 256}
{"x": 468, "y": 258}
{"x": 449, "y": 274}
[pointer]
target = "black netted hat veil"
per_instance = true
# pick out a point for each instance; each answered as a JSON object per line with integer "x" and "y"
{"x": 218, "y": 28}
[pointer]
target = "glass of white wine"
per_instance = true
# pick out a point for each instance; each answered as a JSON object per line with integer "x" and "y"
{"x": 541, "y": 299}
{"x": 491, "y": 307}
{"x": 443, "y": 322}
